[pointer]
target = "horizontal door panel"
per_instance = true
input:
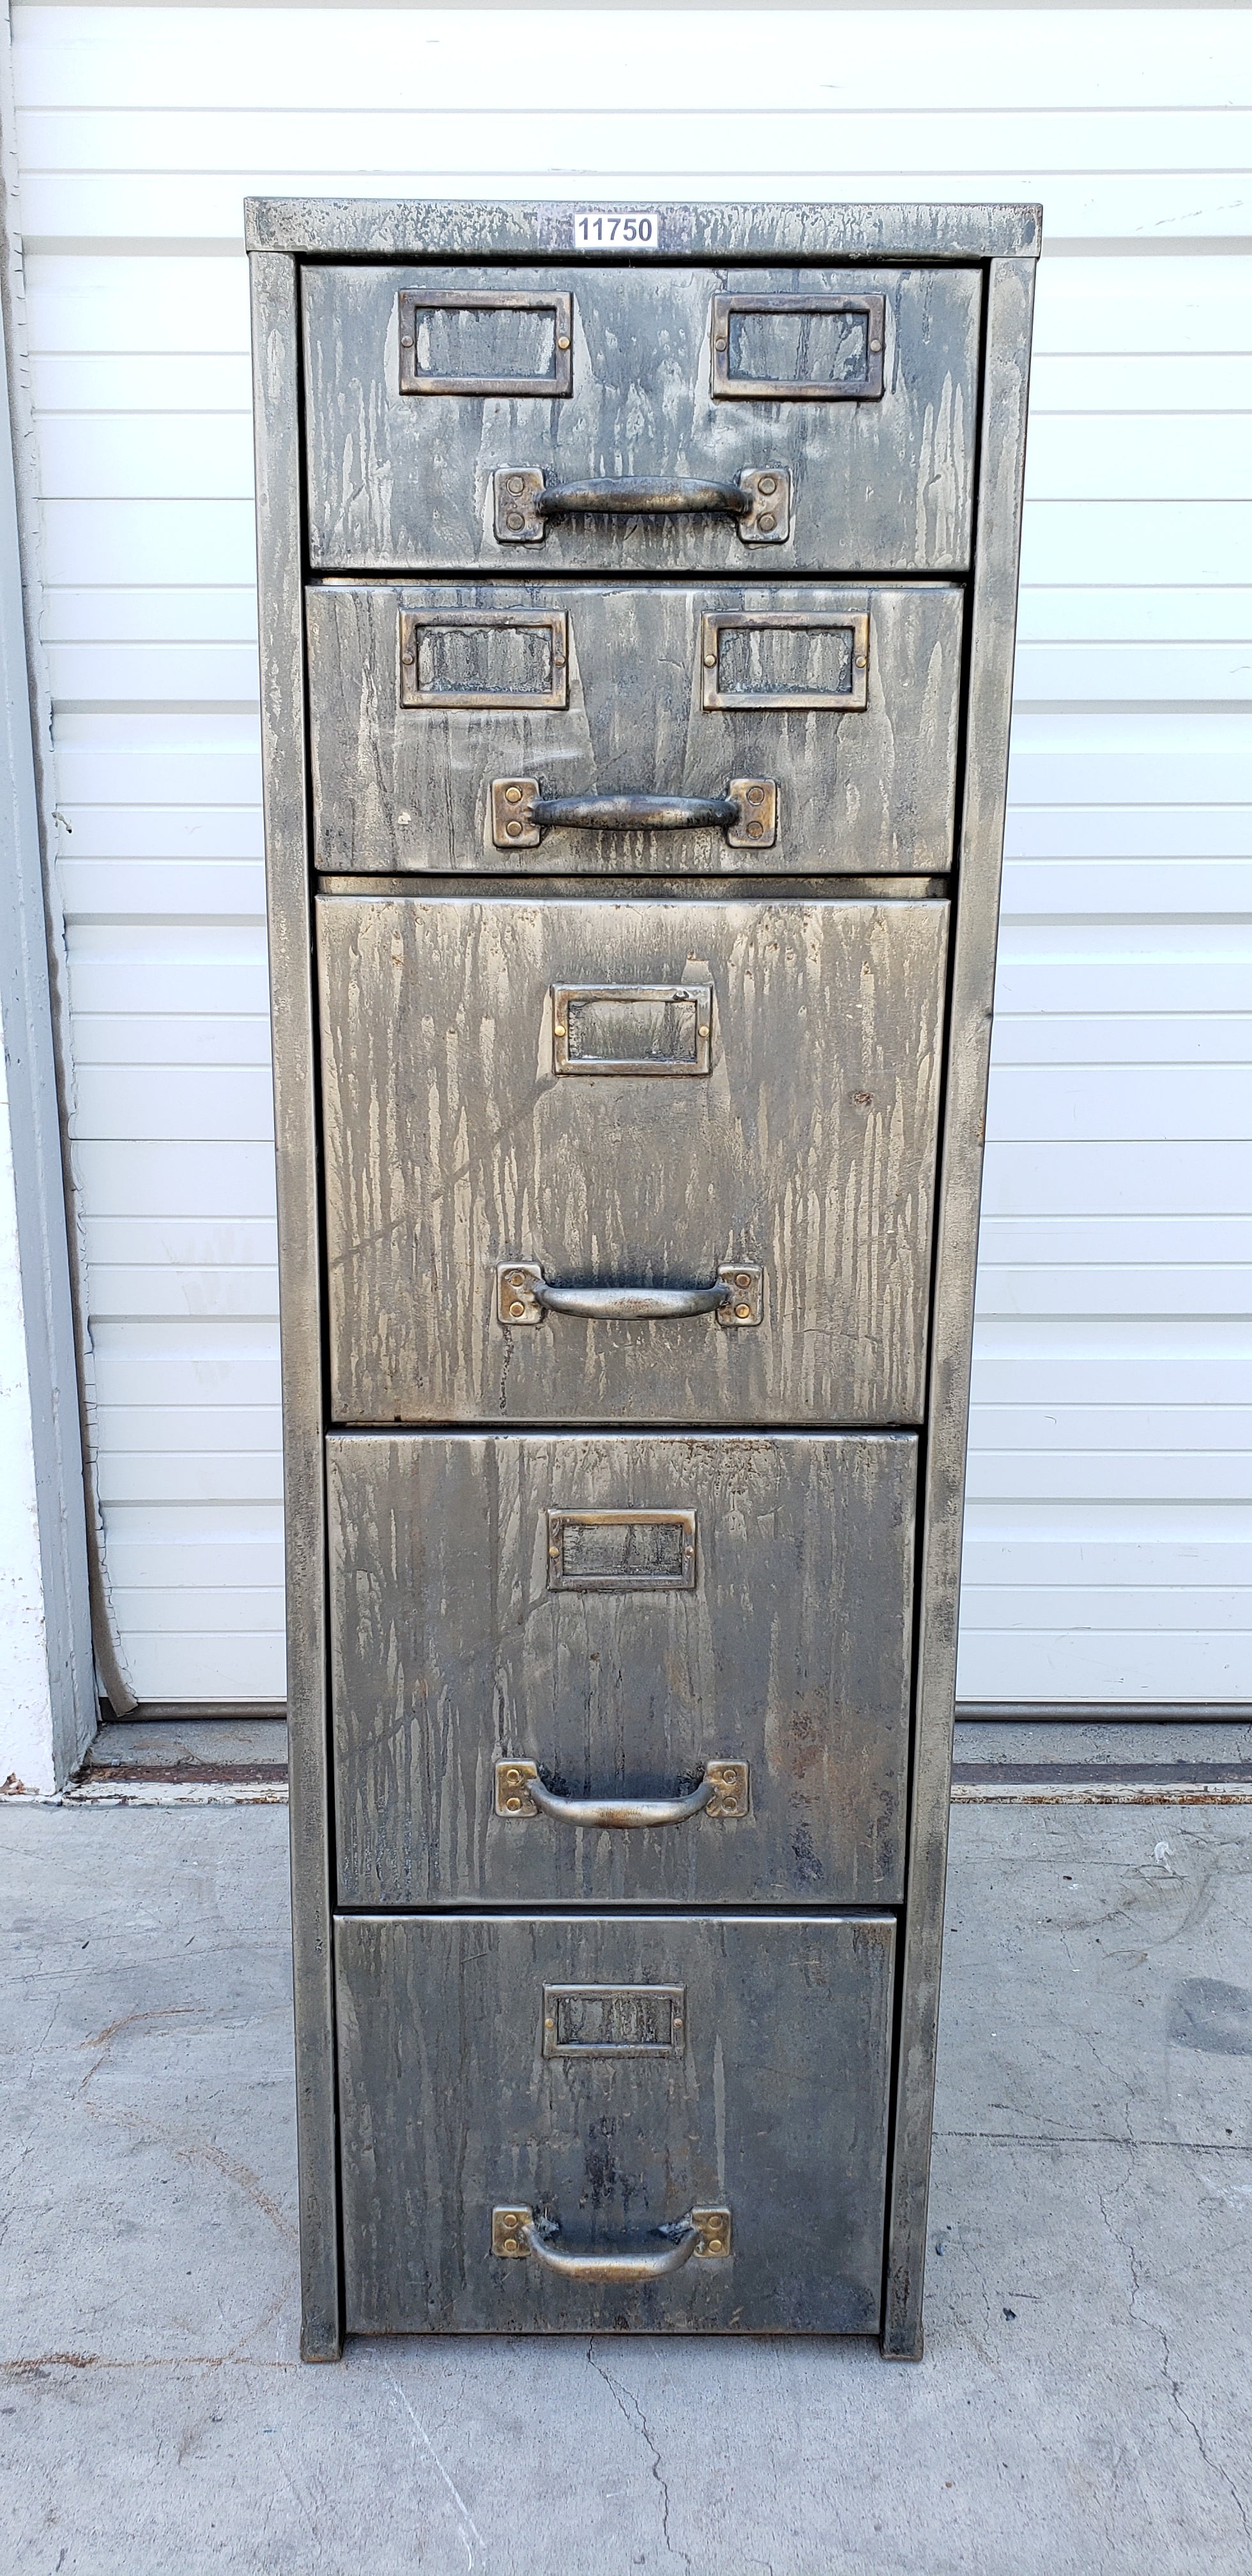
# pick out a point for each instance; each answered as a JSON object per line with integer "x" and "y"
{"x": 601, "y": 1162}
{"x": 657, "y": 2125}
{"x": 498, "y": 730}
{"x": 641, "y": 1623}
{"x": 469, "y": 417}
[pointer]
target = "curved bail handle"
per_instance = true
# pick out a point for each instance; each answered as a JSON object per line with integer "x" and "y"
{"x": 736, "y": 1295}
{"x": 629, "y": 493}
{"x": 524, "y": 502}
{"x": 623, "y": 1814}
{"x": 632, "y": 1305}
{"x": 521, "y": 816}
{"x": 520, "y": 1792}
{"x": 516, "y": 2233}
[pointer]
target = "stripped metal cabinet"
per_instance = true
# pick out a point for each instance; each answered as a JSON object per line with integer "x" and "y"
{"x": 637, "y": 607}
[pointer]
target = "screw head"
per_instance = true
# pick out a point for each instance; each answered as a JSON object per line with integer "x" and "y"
{"x": 516, "y": 1313}
{"x": 756, "y": 796}
{"x": 514, "y": 519}
{"x": 514, "y": 483}
{"x": 743, "y": 1279}
{"x": 767, "y": 482}
{"x": 755, "y": 831}
{"x": 767, "y": 523}
{"x": 514, "y": 1279}
{"x": 743, "y": 1314}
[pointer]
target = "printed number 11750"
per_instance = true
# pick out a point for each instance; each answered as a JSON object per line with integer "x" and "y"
{"x": 596, "y": 228}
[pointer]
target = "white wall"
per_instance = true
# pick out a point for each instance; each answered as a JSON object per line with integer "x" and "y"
{"x": 1109, "y": 1515}
{"x": 26, "y": 1763}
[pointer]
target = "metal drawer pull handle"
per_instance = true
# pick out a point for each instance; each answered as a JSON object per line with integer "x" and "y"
{"x": 723, "y": 1792}
{"x": 521, "y": 814}
{"x": 759, "y": 502}
{"x": 517, "y": 2232}
{"x": 735, "y": 1296}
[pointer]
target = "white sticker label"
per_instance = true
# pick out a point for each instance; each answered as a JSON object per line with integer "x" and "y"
{"x": 598, "y": 228}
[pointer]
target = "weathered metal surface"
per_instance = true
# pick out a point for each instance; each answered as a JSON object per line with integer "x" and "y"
{"x": 452, "y": 1148}
{"x": 877, "y": 485}
{"x": 861, "y": 789}
{"x": 772, "y": 2106}
{"x": 475, "y": 228}
{"x": 453, "y": 1650}
{"x": 276, "y": 379}
{"x": 620, "y": 1691}
{"x": 1003, "y": 446}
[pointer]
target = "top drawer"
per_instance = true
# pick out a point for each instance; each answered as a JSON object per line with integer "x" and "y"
{"x": 462, "y": 417}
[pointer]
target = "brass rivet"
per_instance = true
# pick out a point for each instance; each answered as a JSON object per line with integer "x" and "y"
{"x": 861, "y": 660}
{"x": 516, "y": 1313}
{"x": 558, "y": 1028}
{"x": 743, "y": 1279}
{"x": 710, "y": 661}
{"x": 406, "y": 340}
{"x": 756, "y": 796}
{"x": 743, "y": 1314}
{"x": 721, "y": 341}
{"x": 555, "y": 1548}
{"x": 514, "y": 483}
{"x": 875, "y": 345}
{"x": 767, "y": 483}
{"x": 704, "y": 1028}
{"x": 510, "y": 2245}
{"x": 755, "y": 831}
{"x": 513, "y": 830}
{"x": 562, "y": 339}
{"x": 514, "y": 519}
{"x": 513, "y": 795}
{"x": 514, "y": 1279}
{"x": 767, "y": 522}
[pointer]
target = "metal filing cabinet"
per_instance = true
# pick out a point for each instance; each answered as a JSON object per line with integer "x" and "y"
{"x": 637, "y": 599}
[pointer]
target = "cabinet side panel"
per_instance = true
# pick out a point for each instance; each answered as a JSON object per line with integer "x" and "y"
{"x": 275, "y": 373}
{"x": 997, "y": 543}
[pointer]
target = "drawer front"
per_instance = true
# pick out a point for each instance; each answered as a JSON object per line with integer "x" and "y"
{"x": 519, "y": 1101}
{"x": 634, "y": 1620}
{"x": 610, "y": 2078}
{"x": 826, "y": 719}
{"x": 441, "y": 405}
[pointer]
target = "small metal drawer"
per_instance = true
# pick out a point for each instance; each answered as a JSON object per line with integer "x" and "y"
{"x": 522, "y": 729}
{"x": 644, "y": 419}
{"x": 650, "y": 2124}
{"x": 741, "y": 1235}
{"x": 692, "y": 1649}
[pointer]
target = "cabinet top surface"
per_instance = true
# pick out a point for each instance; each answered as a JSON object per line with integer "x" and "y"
{"x": 450, "y": 228}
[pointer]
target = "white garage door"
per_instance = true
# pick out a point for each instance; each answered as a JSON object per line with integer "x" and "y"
{"x": 1108, "y": 1521}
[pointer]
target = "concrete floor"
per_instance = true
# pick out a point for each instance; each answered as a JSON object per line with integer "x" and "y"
{"x": 1083, "y": 2407}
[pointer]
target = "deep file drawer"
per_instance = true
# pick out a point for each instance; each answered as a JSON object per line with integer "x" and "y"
{"x": 522, "y": 2100}
{"x": 527, "y": 1097}
{"x": 507, "y": 726}
{"x": 825, "y": 415}
{"x": 709, "y": 1633}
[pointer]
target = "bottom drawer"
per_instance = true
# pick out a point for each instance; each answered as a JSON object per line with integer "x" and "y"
{"x": 606, "y": 2079}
